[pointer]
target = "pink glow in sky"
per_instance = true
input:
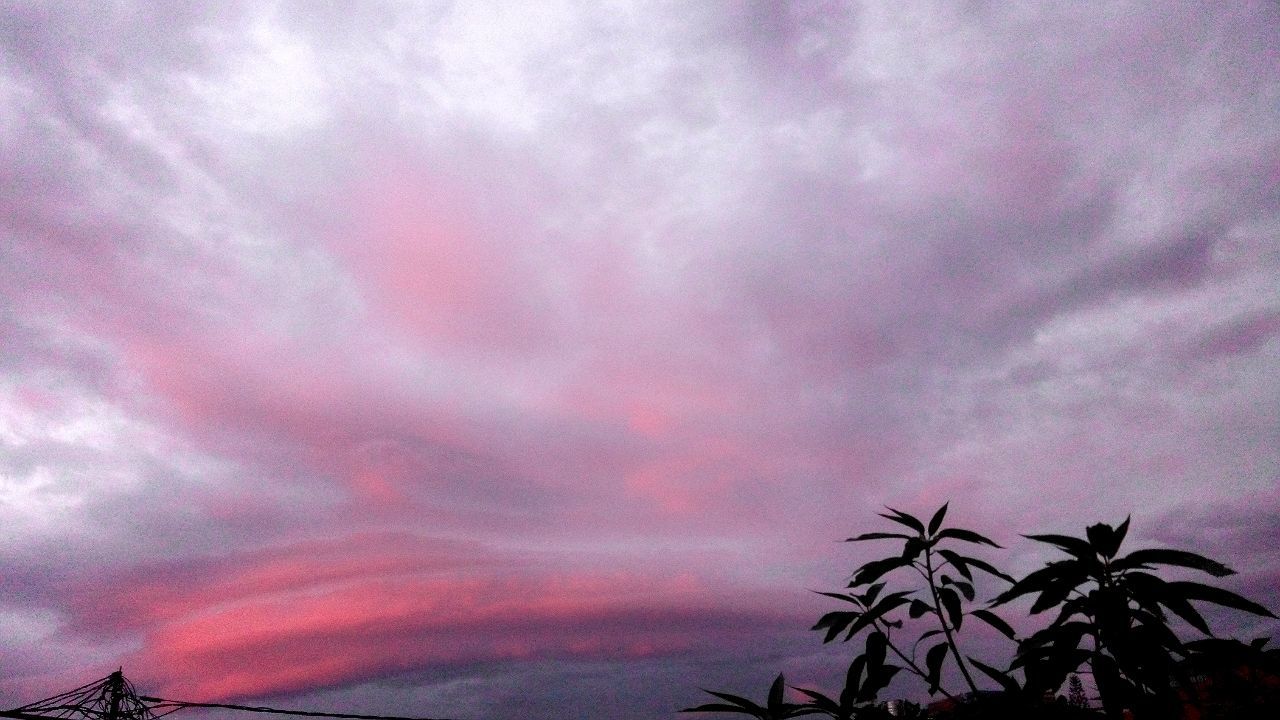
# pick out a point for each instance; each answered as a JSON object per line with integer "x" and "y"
{"x": 497, "y": 360}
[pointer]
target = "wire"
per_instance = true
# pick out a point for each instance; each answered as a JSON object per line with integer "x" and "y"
{"x": 86, "y": 702}
{"x": 179, "y": 704}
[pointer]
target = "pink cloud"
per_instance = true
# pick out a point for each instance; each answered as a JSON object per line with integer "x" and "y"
{"x": 323, "y": 613}
{"x": 439, "y": 269}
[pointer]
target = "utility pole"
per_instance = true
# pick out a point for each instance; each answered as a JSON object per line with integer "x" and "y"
{"x": 114, "y": 698}
{"x": 115, "y": 693}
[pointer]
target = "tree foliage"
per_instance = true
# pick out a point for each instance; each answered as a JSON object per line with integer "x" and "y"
{"x": 1114, "y": 616}
{"x": 932, "y": 552}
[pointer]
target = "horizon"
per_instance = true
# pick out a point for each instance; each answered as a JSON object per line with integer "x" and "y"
{"x": 506, "y": 361}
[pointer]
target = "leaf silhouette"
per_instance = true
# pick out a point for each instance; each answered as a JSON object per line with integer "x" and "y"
{"x": 966, "y": 536}
{"x": 903, "y": 519}
{"x": 877, "y": 536}
{"x": 1008, "y": 683}
{"x": 936, "y": 521}
{"x": 996, "y": 622}
{"x": 1180, "y": 558}
{"x": 1218, "y": 596}
{"x": 1075, "y": 546}
{"x": 933, "y": 664}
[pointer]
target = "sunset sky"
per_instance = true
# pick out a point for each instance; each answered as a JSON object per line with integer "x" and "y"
{"x": 529, "y": 360}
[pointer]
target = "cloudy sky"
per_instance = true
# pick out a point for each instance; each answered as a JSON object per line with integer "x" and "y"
{"x": 497, "y": 360}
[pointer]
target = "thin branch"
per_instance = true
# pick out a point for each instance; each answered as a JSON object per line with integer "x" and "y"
{"x": 911, "y": 664}
{"x": 946, "y": 628}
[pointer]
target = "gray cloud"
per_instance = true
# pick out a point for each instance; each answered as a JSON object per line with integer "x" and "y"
{"x": 665, "y": 287}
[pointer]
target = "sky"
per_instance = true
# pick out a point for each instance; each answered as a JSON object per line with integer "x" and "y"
{"x": 496, "y": 360}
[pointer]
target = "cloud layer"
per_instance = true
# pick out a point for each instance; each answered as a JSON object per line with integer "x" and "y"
{"x": 488, "y": 358}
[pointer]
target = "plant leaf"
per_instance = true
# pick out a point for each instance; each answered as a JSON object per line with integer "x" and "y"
{"x": 1008, "y": 683}
{"x": 1121, "y": 530}
{"x": 1044, "y": 578}
{"x": 965, "y": 588}
{"x": 912, "y": 548}
{"x": 835, "y": 623}
{"x": 1104, "y": 539}
{"x": 987, "y": 568}
{"x": 841, "y": 596}
{"x": 1072, "y": 607}
{"x": 1075, "y": 546}
{"x": 996, "y": 622}
{"x": 967, "y": 536}
{"x": 732, "y": 698}
{"x": 917, "y": 609}
{"x": 872, "y": 571}
{"x": 889, "y": 602}
{"x": 721, "y": 707}
{"x": 1149, "y": 590}
{"x": 820, "y": 701}
{"x": 876, "y": 682}
{"x": 877, "y": 536}
{"x": 904, "y": 519}
{"x": 927, "y": 635}
{"x": 933, "y": 665}
{"x": 962, "y": 563}
{"x": 853, "y": 680}
{"x": 951, "y": 601}
{"x": 1218, "y": 596}
{"x": 1055, "y": 594}
{"x": 957, "y": 561}
{"x": 877, "y": 645}
{"x": 1156, "y": 631}
{"x": 736, "y": 704}
{"x": 776, "y": 691}
{"x": 1066, "y": 636}
{"x": 869, "y": 597}
{"x": 936, "y": 521}
{"x": 1180, "y": 558}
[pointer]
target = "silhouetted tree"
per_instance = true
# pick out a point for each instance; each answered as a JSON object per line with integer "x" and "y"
{"x": 1075, "y": 692}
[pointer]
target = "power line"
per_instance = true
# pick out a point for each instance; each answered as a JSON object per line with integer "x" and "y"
{"x": 162, "y": 704}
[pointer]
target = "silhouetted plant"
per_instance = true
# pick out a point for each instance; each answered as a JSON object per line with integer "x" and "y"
{"x": 944, "y": 600}
{"x": 775, "y": 708}
{"x": 1111, "y": 617}
{"x": 1117, "y": 608}
{"x": 860, "y": 690}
